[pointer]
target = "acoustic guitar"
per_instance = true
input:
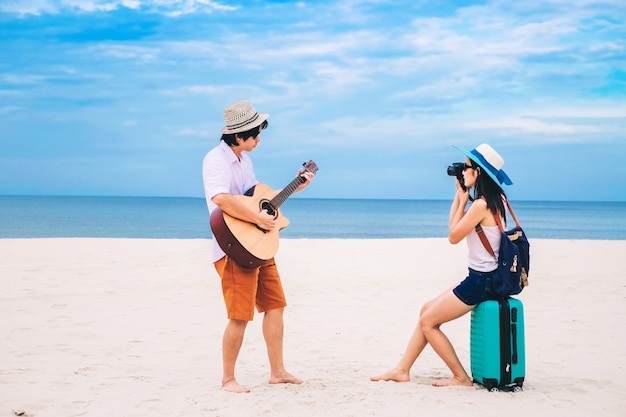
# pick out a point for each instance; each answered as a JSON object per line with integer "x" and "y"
{"x": 246, "y": 243}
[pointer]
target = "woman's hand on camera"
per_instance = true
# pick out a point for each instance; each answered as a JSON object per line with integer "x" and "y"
{"x": 462, "y": 195}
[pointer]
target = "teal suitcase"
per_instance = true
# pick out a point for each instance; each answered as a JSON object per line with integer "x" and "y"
{"x": 497, "y": 352}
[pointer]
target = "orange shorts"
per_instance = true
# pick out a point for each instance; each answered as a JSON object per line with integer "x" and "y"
{"x": 245, "y": 288}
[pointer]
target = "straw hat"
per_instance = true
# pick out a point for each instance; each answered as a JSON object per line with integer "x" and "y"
{"x": 241, "y": 116}
{"x": 490, "y": 161}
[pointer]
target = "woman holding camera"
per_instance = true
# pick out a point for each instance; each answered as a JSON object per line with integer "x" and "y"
{"x": 482, "y": 172}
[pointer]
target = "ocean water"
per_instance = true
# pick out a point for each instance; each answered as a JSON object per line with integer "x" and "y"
{"x": 188, "y": 218}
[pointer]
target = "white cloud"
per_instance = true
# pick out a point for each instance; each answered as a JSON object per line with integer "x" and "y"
{"x": 23, "y": 79}
{"x": 181, "y": 7}
{"x": 10, "y": 109}
{"x": 121, "y": 51}
{"x": 200, "y": 89}
{"x": 374, "y": 76}
{"x": 532, "y": 126}
{"x": 35, "y": 7}
{"x": 167, "y": 7}
{"x": 189, "y": 131}
{"x": 584, "y": 111}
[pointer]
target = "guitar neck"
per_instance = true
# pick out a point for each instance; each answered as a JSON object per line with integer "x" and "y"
{"x": 287, "y": 191}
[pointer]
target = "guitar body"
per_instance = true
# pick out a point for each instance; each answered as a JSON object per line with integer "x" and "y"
{"x": 244, "y": 242}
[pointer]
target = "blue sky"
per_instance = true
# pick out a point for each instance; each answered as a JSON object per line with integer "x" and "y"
{"x": 124, "y": 97}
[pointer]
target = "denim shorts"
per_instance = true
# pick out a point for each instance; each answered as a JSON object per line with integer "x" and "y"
{"x": 476, "y": 288}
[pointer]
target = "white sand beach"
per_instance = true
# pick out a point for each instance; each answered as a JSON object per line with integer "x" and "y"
{"x": 133, "y": 327}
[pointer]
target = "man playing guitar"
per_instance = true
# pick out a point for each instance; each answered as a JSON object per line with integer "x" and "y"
{"x": 228, "y": 173}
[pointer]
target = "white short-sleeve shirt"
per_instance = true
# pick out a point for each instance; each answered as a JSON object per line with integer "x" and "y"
{"x": 224, "y": 172}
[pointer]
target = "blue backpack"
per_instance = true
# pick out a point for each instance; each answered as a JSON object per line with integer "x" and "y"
{"x": 513, "y": 259}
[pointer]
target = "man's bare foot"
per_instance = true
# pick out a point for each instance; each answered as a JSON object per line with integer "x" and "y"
{"x": 284, "y": 378}
{"x": 392, "y": 375}
{"x": 452, "y": 382}
{"x": 233, "y": 386}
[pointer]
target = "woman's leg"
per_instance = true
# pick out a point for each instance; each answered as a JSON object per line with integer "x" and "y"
{"x": 400, "y": 372}
{"x": 434, "y": 313}
{"x": 417, "y": 343}
{"x": 443, "y": 309}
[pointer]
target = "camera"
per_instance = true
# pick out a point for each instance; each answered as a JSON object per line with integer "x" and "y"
{"x": 456, "y": 170}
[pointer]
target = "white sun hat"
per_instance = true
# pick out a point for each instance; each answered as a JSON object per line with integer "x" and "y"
{"x": 490, "y": 161}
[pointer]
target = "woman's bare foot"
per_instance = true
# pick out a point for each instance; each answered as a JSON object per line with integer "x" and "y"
{"x": 284, "y": 378}
{"x": 453, "y": 381}
{"x": 233, "y": 386}
{"x": 392, "y": 375}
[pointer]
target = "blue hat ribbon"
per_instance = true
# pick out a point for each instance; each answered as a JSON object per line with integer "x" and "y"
{"x": 500, "y": 174}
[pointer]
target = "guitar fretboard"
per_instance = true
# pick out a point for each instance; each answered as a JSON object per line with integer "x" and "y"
{"x": 287, "y": 191}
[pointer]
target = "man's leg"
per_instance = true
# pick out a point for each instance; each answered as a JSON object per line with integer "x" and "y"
{"x": 273, "y": 334}
{"x": 231, "y": 345}
{"x": 271, "y": 301}
{"x": 239, "y": 288}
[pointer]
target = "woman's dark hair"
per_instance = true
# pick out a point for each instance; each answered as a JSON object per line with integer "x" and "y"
{"x": 493, "y": 193}
{"x": 230, "y": 138}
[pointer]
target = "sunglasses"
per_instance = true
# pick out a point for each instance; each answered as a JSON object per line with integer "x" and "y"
{"x": 262, "y": 126}
{"x": 466, "y": 166}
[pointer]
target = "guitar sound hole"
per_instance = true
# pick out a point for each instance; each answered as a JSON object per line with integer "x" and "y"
{"x": 265, "y": 205}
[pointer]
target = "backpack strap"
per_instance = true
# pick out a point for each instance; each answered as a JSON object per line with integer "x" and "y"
{"x": 481, "y": 233}
{"x": 484, "y": 240}
{"x": 510, "y": 211}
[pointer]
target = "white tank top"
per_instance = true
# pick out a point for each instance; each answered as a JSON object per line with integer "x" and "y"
{"x": 478, "y": 258}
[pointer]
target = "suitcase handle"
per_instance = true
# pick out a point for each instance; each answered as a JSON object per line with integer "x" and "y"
{"x": 514, "y": 347}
